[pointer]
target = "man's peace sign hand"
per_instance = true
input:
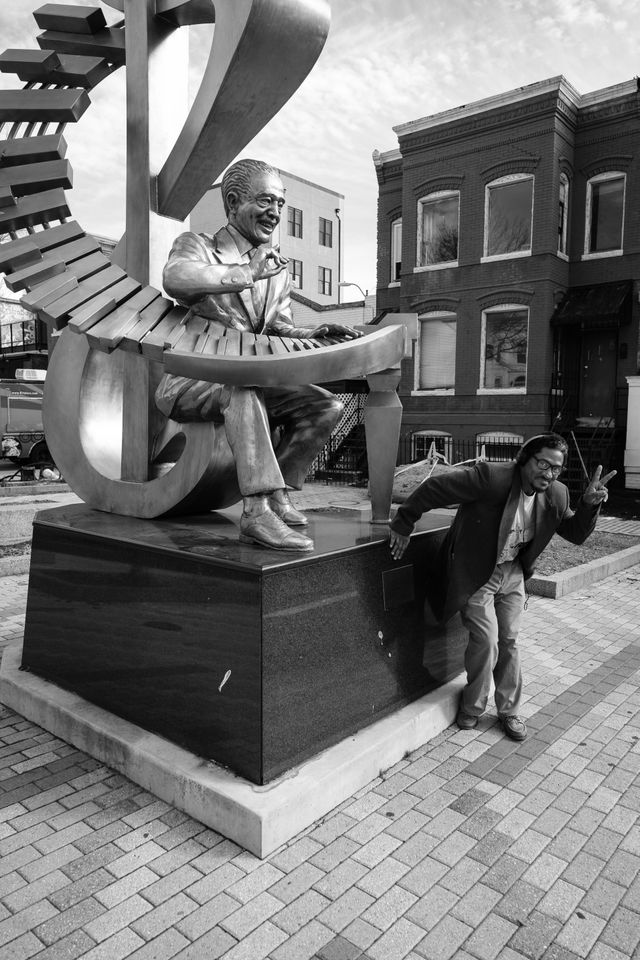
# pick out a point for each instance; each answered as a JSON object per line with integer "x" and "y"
{"x": 597, "y": 493}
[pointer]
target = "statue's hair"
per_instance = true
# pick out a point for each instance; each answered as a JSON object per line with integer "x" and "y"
{"x": 239, "y": 176}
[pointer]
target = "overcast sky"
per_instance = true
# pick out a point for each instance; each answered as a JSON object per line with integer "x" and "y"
{"x": 385, "y": 62}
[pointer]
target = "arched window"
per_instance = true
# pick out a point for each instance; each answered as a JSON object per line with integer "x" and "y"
{"x": 396, "y": 250}
{"x": 503, "y": 361}
{"x": 509, "y": 216}
{"x": 498, "y": 445}
{"x": 438, "y": 225}
{"x": 436, "y": 355}
{"x": 605, "y": 214}
{"x": 563, "y": 213}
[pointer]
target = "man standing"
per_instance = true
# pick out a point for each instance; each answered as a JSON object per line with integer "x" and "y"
{"x": 508, "y": 513}
{"x": 238, "y": 279}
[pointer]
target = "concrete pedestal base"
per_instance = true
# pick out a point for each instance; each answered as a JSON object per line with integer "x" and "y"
{"x": 259, "y": 818}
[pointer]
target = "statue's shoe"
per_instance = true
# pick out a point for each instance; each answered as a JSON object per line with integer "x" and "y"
{"x": 268, "y": 530}
{"x": 288, "y": 513}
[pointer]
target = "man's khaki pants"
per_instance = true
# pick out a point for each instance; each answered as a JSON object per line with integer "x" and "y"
{"x": 492, "y": 615}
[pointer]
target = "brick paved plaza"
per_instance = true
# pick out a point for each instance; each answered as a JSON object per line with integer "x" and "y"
{"x": 472, "y": 847}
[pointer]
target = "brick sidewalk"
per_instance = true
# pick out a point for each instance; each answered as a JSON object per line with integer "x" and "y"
{"x": 472, "y": 847}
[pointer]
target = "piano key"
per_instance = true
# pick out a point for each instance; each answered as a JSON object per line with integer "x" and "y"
{"x": 34, "y": 274}
{"x": 69, "y": 252}
{"x": 58, "y": 311}
{"x": 34, "y": 209}
{"x": 107, "y": 334}
{"x": 150, "y": 317}
{"x": 108, "y": 44}
{"x": 233, "y": 342}
{"x": 201, "y": 342}
{"x": 222, "y": 346}
{"x": 80, "y": 71}
{"x": 248, "y": 344}
{"x": 153, "y": 344}
{"x": 35, "y": 177}
{"x": 262, "y": 346}
{"x": 28, "y": 64}
{"x": 20, "y": 150}
{"x": 91, "y": 313}
{"x": 18, "y": 253}
{"x": 45, "y": 293}
{"x": 277, "y": 346}
{"x": 42, "y": 106}
{"x": 297, "y": 344}
{"x": 191, "y": 333}
{"x": 72, "y": 18}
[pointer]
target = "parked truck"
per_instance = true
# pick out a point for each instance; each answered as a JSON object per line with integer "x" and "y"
{"x": 21, "y": 429}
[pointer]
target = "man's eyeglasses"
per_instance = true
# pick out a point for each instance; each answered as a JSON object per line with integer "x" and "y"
{"x": 545, "y": 466}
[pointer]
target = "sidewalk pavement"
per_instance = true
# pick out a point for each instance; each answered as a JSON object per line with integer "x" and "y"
{"x": 471, "y": 847}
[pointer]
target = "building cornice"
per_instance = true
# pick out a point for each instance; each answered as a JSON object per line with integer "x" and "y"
{"x": 512, "y": 97}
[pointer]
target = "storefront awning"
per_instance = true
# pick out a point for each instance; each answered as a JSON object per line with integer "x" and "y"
{"x": 598, "y": 307}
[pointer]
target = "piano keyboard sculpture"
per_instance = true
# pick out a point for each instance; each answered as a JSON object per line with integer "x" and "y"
{"x": 113, "y": 330}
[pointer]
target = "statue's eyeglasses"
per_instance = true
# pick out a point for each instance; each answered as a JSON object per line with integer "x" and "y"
{"x": 545, "y": 466}
{"x": 266, "y": 200}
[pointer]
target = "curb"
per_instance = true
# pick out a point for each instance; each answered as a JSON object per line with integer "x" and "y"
{"x": 11, "y": 566}
{"x": 29, "y": 488}
{"x": 559, "y": 584}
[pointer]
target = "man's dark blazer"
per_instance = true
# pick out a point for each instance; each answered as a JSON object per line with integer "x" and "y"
{"x": 488, "y": 495}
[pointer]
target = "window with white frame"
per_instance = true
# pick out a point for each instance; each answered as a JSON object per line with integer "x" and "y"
{"x": 427, "y": 443}
{"x": 563, "y": 213}
{"x": 294, "y": 221}
{"x": 438, "y": 223}
{"x": 505, "y": 334}
{"x": 508, "y": 216}
{"x": 498, "y": 445}
{"x": 605, "y": 214}
{"x": 396, "y": 249}
{"x": 324, "y": 281}
{"x": 295, "y": 269}
{"x": 436, "y": 362}
{"x": 325, "y": 232}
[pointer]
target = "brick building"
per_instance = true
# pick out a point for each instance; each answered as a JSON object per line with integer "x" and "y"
{"x": 510, "y": 227}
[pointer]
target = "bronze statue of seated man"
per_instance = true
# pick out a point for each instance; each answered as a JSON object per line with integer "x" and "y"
{"x": 238, "y": 279}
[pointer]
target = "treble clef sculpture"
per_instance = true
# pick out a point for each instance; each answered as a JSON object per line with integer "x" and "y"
{"x": 98, "y": 413}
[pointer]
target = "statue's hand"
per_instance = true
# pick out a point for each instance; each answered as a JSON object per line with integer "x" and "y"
{"x": 266, "y": 262}
{"x": 336, "y": 330}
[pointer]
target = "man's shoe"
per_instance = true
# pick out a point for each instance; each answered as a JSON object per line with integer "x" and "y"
{"x": 268, "y": 530}
{"x": 514, "y": 727}
{"x": 465, "y": 721}
{"x": 283, "y": 508}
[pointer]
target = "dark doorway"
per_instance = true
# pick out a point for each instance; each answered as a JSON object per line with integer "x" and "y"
{"x": 598, "y": 381}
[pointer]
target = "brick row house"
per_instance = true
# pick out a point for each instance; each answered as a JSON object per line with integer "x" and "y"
{"x": 510, "y": 228}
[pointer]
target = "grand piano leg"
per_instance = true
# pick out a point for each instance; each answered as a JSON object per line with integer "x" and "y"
{"x": 382, "y": 417}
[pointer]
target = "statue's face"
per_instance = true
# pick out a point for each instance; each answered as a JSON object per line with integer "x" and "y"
{"x": 257, "y": 215}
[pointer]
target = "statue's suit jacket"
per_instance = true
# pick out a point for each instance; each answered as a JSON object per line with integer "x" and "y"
{"x": 488, "y": 494}
{"x": 232, "y": 303}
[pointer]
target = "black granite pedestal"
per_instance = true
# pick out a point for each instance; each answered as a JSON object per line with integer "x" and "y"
{"x": 249, "y": 657}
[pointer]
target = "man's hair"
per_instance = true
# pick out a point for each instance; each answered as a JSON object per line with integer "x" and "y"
{"x": 239, "y": 177}
{"x": 533, "y": 446}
